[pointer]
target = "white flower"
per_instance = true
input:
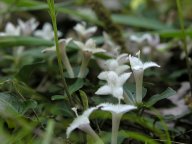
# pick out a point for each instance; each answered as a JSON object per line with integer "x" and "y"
{"x": 62, "y": 47}
{"x": 137, "y": 64}
{"x": 118, "y": 109}
{"x": 61, "y": 41}
{"x": 81, "y": 121}
{"x": 153, "y": 40}
{"x": 112, "y": 48}
{"x": 117, "y": 112}
{"x": 139, "y": 39}
{"x": 80, "y": 28}
{"x": 46, "y": 32}
{"x": 28, "y": 27}
{"x": 89, "y": 46}
{"x": 138, "y": 68}
{"x": 114, "y": 84}
{"x": 11, "y": 30}
{"x": 118, "y": 65}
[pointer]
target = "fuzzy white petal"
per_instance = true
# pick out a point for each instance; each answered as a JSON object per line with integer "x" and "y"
{"x": 135, "y": 63}
{"x": 77, "y": 123}
{"x": 112, "y": 64}
{"x": 150, "y": 64}
{"x": 104, "y": 90}
{"x": 122, "y": 68}
{"x": 79, "y": 44}
{"x": 80, "y": 121}
{"x": 123, "y": 58}
{"x": 91, "y": 30}
{"x": 123, "y": 78}
{"x": 112, "y": 78}
{"x": 117, "y": 92}
{"x": 103, "y": 75}
{"x": 117, "y": 109}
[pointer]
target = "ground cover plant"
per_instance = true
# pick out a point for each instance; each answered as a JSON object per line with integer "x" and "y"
{"x": 95, "y": 72}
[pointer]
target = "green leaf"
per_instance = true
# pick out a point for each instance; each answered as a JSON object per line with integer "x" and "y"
{"x": 84, "y": 99}
{"x": 10, "y": 41}
{"x": 154, "y": 99}
{"x": 140, "y": 22}
{"x": 25, "y": 72}
{"x": 174, "y": 33}
{"x": 77, "y": 85}
{"x": 28, "y": 104}
{"x": 137, "y": 136}
{"x": 26, "y": 3}
{"x": 10, "y": 104}
{"x": 130, "y": 90}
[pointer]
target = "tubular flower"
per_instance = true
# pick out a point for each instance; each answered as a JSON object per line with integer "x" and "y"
{"x": 82, "y": 122}
{"x": 114, "y": 84}
{"x": 117, "y": 111}
{"x": 138, "y": 68}
{"x": 62, "y": 46}
{"x": 88, "y": 49}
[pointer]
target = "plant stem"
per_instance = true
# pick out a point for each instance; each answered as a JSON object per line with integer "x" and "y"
{"x": 59, "y": 59}
{"x": 115, "y": 127}
{"x": 184, "y": 43}
{"x": 49, "y": 132}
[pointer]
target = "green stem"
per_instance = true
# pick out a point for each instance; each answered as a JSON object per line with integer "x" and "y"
{"x": 59, "y": 58}
{"x": 49, "y": 132}
{"x": 184, "y": 43}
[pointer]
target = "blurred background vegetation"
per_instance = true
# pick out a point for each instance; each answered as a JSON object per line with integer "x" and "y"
{"x": 33, "y": 107}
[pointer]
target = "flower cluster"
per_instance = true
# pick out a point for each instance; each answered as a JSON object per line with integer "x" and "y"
{"x": 148, "y": 43}
{"x": 28, "y": 28}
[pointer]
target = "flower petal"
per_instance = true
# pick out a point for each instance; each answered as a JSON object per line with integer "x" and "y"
{"x": 121, "y": 69}
{"x": 80, "y": 121}
{"x": 123, "y": 78}
{"x": 91, "y": 30}
{"x": 123, "y": 58}
{"x": 77, "y": 123}
{"x": 112, "y": 78}
{"x": 103, "y": 75}
{"x": 112, "y": 64}
{"x": 150, "y": 64}
{"x": 135, "y": 63}
{"x": 79, "y": 44}
{"x": 117, "y": 92}
{"x": 104, "y": 90}
{"x": 118, "y": 108}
